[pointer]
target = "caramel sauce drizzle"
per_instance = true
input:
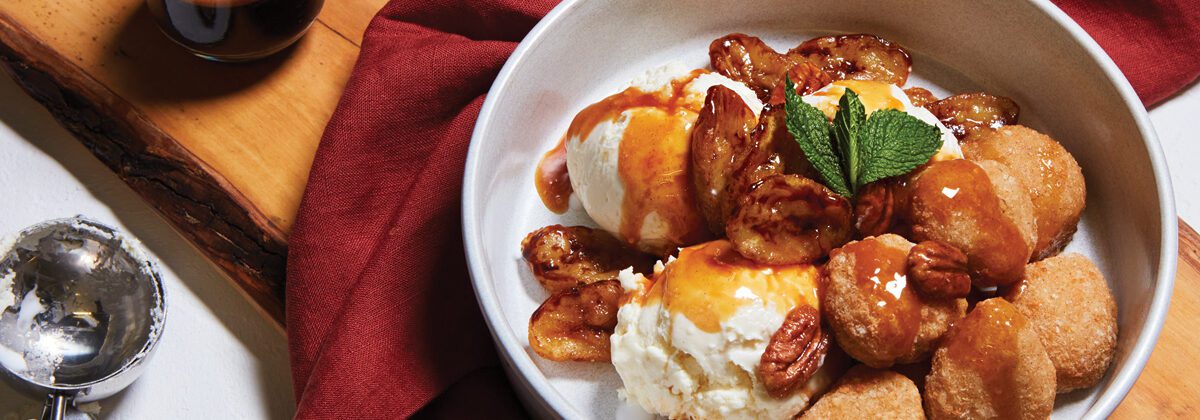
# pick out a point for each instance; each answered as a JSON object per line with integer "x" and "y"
{"x": 708, "y": 283}
{"x": 652, "y": 163}
{"x": 881, "y": 274}
{"x": 873, "y": 95}
{"x": 957, "y": 190}
{"x": 552, "y": 180}
{"x": 986, "y": 341}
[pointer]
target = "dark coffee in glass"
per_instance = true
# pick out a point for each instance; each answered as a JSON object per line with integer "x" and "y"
{"x": 234, "y": 30}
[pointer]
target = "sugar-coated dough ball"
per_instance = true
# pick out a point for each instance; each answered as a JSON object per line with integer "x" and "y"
{"x": 956, "y": 202}
{"x": 1053, "y": 178}
{"x": 1014, "y": 200}
{"x": 867, "y": 393}
{"x": 875, "y": 316}
{"x": 991, "y": 365}
{"x": 1067, "y": 300}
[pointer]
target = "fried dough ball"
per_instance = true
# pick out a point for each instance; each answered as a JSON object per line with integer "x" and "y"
{"x": 874, "y": 315}
{"x": 866, "y": 393}
{"x": 1068, "y": 302}
{"x": 1053, "y": 178}
{"x": 991, "y": 365}
{"x": 956, "y": 202}
{"x": 1014, "y": 200}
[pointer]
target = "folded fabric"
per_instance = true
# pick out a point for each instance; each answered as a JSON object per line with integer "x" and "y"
{"x": 382, "y": 321}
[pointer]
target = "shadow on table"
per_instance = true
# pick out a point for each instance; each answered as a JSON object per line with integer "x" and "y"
{"x": 217, "y": 294}
{"x": 150, "y": 66}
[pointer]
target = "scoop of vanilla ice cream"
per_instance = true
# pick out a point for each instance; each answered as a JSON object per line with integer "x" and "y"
{"x": 878, "y": 95}
{"x": 688, "y": 344}
{"x": 669, "y": 95}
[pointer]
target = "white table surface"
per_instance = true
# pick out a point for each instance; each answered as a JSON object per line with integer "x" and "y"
{"x": 220, "y": 358}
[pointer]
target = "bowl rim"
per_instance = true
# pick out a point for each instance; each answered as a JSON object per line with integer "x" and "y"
{"x": 547, "y": 399}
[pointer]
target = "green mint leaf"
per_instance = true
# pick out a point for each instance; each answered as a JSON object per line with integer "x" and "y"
{"x": 847, "y": 123}
{"x": 893, "y": 143}
{"x": 810, "y": 128}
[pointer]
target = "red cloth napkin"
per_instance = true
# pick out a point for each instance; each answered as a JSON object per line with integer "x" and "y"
{"x": 381, "y": 318}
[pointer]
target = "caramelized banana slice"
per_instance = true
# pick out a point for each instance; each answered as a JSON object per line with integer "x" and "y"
{"x": 575, "y": 325}
{"x": 720, "y": 140}
{"x": 859, "y": 57}
{"x": 777, "y": 150}
{"x": 759, "y": 160}
{"x": 806, "y": 77}
{"x": 749, "y": 60}
{"x": 966, "y": 113}
{"x": 920, "y": 96}
{"x": 565, "y": 257}
{"x": 789, "y": 219}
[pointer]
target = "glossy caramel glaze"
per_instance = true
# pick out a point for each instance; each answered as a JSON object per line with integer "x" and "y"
{"x": 954, "y": 202}
{"x": 986, "y": 343}
{"x": 880, "y": 274}
{"x": 719, "y": 140}
{"x": 857, "y": 56}
{"x": 709, "y": 282}
{"x": 552, "y": 180}
{"x": 653, "y": 163}
{"x": 874, "y": 96}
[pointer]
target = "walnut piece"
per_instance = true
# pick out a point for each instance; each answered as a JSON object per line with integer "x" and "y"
{"x": 938, "y": 270}
{"x": 794, "y": 353}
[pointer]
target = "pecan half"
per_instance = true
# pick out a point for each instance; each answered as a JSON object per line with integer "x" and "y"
{"x": 874, "y": 209}
{"x": 794, "y": 353}
{"x": 939, "y": 271}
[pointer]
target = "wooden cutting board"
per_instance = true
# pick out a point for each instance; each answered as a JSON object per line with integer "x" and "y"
{"x": 1168, "y": 387}
{"x": 223, "y": 151}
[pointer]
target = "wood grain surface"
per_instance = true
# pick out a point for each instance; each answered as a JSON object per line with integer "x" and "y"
{"x": 223, "y": 151}
{"x": 1168, "y": 387}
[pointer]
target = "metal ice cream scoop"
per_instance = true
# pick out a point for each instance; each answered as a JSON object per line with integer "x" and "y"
{"x": 81, "y": 310}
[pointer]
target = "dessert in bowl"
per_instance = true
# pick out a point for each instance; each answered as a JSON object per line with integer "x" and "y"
{"x": 766, "y": 165}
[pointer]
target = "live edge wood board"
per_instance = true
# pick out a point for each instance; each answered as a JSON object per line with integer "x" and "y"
{"x": 223, "y": 151}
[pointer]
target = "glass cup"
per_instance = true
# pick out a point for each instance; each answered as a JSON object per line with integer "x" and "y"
{"x": 234, "y": 30}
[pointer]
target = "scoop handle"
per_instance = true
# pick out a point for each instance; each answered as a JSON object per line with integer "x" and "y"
{"x": 56, "y": 407}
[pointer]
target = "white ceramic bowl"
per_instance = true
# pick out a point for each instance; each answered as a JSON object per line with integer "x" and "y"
{"x": 1027, "y": 50}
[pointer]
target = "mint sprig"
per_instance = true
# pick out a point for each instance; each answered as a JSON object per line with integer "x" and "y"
{"x": 856, "y": 149}
{"x": 810, "y": 128}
